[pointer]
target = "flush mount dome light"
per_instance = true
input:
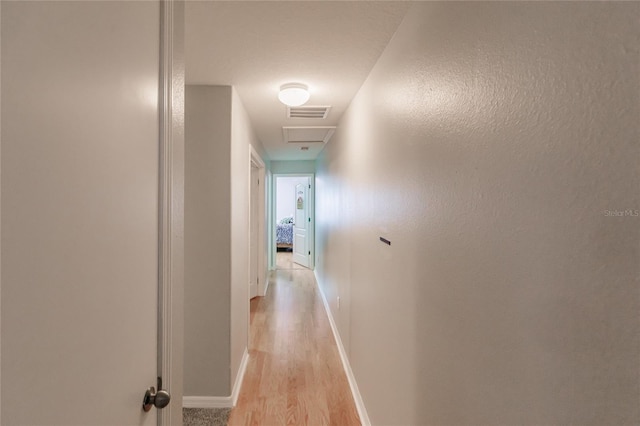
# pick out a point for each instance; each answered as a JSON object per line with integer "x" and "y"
{"x": 293, "y": 94}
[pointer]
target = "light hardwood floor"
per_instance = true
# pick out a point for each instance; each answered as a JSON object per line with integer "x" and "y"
{"x": 294, "y": 375}
{"x": 284, "y": 260}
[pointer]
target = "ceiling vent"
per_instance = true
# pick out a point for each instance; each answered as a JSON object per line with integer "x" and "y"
{"x": 316, "y": 112}
{"x": 308, "y": 135}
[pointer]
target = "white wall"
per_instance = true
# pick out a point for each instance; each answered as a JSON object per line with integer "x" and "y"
{"x": 285, "y": 195}
{"x": 242, "y": 137}
{"x": 488, "y": 144}
{"x": 218, "y": 137}
{"x": 207, "y": 357}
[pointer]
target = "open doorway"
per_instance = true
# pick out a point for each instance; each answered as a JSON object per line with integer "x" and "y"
{"x": 293, "y": 210}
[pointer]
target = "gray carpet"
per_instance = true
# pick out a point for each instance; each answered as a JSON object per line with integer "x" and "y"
{"x": 205, "y": 416}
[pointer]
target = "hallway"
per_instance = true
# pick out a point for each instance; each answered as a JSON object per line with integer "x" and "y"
{"x": 294, "y": 375}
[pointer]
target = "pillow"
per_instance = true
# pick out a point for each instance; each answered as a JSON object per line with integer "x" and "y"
{"x": 286, "y": 220}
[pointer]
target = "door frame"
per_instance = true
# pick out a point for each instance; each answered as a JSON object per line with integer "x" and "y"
{"x": 0, "y": 225}
{"x": 256, "y": 161}
{"x": 171, "y": 208}
{"x": 312, "y": 215}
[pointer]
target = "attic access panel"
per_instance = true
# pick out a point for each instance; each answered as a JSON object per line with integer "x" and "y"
{"x": 308, "y": 134}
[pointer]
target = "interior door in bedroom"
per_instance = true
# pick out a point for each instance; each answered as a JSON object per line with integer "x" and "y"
{"x": 79, "y": 211}
{"x": 301, "y": 226}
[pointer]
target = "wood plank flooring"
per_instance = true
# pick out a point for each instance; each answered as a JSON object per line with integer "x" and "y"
{"x": 284, "y": 260}
{"x": 294, "y": 375}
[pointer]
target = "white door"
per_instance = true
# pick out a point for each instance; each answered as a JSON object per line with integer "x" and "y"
{"x": 79, "y": 211}
{"x": 253, "y": 234}
{"x": 301, "y": 225}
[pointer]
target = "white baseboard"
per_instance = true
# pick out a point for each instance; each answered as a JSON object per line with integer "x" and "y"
{"x": 265, "y": 285}
{"x": 220, "y": 401}
{"x": 207, "y": 402}
{"x": 362, "y": 411}
{"x": 237, "y": 385}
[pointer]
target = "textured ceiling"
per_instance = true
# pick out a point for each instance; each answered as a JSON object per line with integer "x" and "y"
{"x": 257, "y": 46}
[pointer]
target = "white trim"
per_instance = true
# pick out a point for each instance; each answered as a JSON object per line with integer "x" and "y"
{"x": 263, "y": 249}
{"x": 171, "y": 205}
{"x": 270, "y": 219}
{"x": 265, "y": 285}
{"x": 0, "y": 222}
{"x": 362, "y": 410}
{"x": 220, "y": 401}
{"x": 237, "y": 386}
{"x": 256, "y": 158}
{"x": 207, "y": 402}
{"x": 256, "y": 161}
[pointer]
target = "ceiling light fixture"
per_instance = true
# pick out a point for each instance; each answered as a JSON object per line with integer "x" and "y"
{"x": 294, "y": 94}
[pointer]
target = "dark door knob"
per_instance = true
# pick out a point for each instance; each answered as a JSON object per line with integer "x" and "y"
{"x": 158, "y": 399}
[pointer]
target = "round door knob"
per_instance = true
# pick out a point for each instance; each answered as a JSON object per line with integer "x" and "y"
{"x": 158, "y": 399}
{"x": 162, "y": 399}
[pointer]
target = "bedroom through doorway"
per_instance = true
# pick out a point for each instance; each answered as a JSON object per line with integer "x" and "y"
{"x": 293, "y": 212}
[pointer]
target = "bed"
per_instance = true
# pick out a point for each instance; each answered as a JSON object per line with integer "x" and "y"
{"x": 284, "y": 233}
